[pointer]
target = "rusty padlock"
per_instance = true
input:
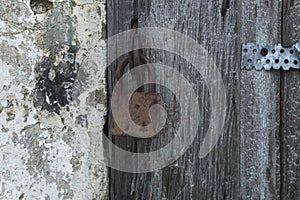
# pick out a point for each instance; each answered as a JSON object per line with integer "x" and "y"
{"x": 139, "y": 107}
{"x": 141, "y": 101}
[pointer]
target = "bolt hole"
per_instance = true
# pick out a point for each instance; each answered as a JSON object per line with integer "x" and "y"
{"x": 264, "y": 51}
{"x": 277, "y": 61}
{"x": 291, "y": 51}
{"x": 295, "y": 62}
{"x": 273, "y": 51}
{"x": 254, "y": 50}
{"x": 249, "y": 60}
{"x": 286, "y": 61}
{"x": 281, "y": 50}
{"x": 267, "y": 61}
{"x": 245, "y": 50}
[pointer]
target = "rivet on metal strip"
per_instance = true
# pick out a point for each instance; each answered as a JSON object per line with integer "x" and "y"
{"x": 269, "y": 57}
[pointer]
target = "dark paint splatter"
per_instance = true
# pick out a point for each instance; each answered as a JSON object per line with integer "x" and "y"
{"x": 54, "y": 84}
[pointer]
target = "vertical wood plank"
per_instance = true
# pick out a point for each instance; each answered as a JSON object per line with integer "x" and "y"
{"x": 217, "y": 175}
{"x": 259, "y": 106}
{"x": 290, "y": 135}
{"x": 119, "y": 15}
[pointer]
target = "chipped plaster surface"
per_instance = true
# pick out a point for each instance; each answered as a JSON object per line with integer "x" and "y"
{"x": 48, "y": 153}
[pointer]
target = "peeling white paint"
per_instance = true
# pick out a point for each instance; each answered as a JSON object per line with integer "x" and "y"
{"x": 44, "y": 155}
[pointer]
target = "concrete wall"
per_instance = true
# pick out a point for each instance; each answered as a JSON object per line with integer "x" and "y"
{"x": 52, "y": 99}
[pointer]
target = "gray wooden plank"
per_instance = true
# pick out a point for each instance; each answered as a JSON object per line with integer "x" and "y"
{"x": 216, "y": 176}
{"x": 259, "y": 117}
{"x": 119, "y": 15}
{"x": 290, "y": 134}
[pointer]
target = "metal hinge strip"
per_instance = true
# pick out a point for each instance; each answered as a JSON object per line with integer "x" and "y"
{"x": 268, "y": 57}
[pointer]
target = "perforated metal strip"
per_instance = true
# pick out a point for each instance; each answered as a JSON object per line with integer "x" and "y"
{"x": 268, "y": 57}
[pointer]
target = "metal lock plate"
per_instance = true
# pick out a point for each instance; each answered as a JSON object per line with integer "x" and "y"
{"x": 139, "y": 106}
{"x": 270, "y": 57}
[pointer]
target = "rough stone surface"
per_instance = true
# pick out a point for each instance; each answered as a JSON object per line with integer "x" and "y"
{"x": 52, "y": 99}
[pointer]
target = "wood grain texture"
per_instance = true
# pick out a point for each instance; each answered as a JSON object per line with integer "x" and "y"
{"x": 217, "y": 175}
{"x": 259, "y": 106}
{"x": 119, "y": 15}
{"x": 257, "y": 156}
{"x": 290, "y": 135}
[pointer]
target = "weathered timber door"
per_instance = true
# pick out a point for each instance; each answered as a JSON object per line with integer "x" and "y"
{"x": 257, "y": 155}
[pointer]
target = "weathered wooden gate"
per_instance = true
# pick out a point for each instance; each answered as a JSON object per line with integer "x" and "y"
{"x": 257, "y": 155}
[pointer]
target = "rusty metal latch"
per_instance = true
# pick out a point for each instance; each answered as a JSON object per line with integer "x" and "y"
{"x": 270, "y": 56}
{"x": 141, "y": 100}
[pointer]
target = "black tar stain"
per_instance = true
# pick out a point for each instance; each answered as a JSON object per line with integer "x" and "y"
{"x": 54, "y": 84}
